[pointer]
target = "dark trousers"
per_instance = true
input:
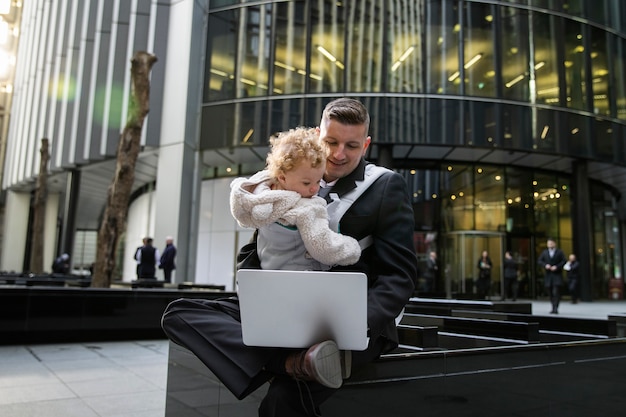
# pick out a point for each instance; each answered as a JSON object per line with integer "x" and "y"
{"x": 167, "y": 275}
{"x": 211, "y": 329}
{"x": 555, "y": 296}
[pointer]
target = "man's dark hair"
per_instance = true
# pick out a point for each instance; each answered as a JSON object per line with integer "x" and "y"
{"x": 347, "y": 111}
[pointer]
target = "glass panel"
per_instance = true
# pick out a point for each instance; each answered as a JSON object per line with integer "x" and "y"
{"x": 457, "y": 198}
{"x": 327, "y": 46}
{"x": 238, "y": 124}
{"x": 619, "y": 67}
{"x": 220, "y": 68}
{"x": 519, "y": 203}
{"x": 577, "y": 139}
{"x": 545, "y": 62}
{"x": 443, "y": 121}
{"x": 600, "y": 72}
{"x": 545, "y": 189}
{"x": 254, "y": 35}
{"x": 603, "y": 138}
{"x": 597, "y": 11}
{"x": 546, "y": 133}
{"x": 489, "y": 198}
{"x": 290, "y": 74}
{"x": 478, "y": 50}
{"x": 403, "y": 121}
{"x": 238, "y": 53}
{"x": 442, "y": 47}
{"x": 517, "y": 127}
{"x": 404, "y": 67}
{"x": 365, "y": 53}
{"x": 574, "y": 7}
{"x": 575, "y": 65}
{"x": 515, "y": 54}
{"x": 481, "y": 123}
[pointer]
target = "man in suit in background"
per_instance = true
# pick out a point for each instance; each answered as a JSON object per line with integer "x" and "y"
{"x": 552, "y": 260}
{"x": 168, "y": 257}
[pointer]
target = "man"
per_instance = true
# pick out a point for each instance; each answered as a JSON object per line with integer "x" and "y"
{"x": 167, "y": 263}
{"x": 432, "y": 270}
{"x": 147, "y": 258}
{"x": 137, "y": 256}
{"x": 211, "y": 329}
{"x": 552, "y": 260}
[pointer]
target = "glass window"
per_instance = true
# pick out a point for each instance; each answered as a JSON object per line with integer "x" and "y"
{"x": 517, "y": 127}
{"x": 574, "y": 7}
{"x": 600, "y": 72}
{"x": 220, "y": 69}
{"x": 575, "y": 76}
{"x": 546, "y": 130}
{"x": 481, "y": 123}
{"x": 619, "y": 68}
{"x": 489, "y": 198}
{"x": 457, "y": 198}
{"x": 603, "y": 138}
{"x": 478, "y": 57}
{"x": 327, "y": 46}
{"x": 290, "y": 72}
{"x": 442, "y": 47}
{"x": 443, "y": 121}
{"x": 545, "y": 61}
{"x": 405, "y": 26}
{"x": 518, "y": 196}
{"x": 545, "y": 191}
{"x": 238, "y": 53}
{"x": 365, "y": 46}
{"x": 402, "y": 120}
{"x": 515, "y": 54}
{"x": 576, "y": 140}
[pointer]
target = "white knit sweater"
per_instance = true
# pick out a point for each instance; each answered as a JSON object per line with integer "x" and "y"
{"x": 254, "y": 204}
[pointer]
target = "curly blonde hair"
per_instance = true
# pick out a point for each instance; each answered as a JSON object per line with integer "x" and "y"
{"x": 289, "y": 148}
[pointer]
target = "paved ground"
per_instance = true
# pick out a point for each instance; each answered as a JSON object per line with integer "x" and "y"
{"x": 128, "y": 379}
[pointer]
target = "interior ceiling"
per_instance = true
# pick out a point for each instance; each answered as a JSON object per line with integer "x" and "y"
{"x": 96, "y": 178}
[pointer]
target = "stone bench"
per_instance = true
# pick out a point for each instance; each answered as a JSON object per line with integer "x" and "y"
{"x": 520, "y": 380}
{"x": 514, "y": 331}
{"x": 583, "y": 326}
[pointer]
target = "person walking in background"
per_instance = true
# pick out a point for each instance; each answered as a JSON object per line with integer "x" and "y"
{"x": 430, "y": 275}
{"x": 61, "y": 265}
{"x": 510, "y": 276}
{"x": 552, "y": 260}
{"x": 148, "y": 257}
{"x": 137, "y": 258}
{"x": 571, "y": 267}
{"x": 483, "y": 284}
{"x": 167, "y": 261}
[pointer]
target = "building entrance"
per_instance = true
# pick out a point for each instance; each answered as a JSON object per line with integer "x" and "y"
{"x": 462, "y": 252}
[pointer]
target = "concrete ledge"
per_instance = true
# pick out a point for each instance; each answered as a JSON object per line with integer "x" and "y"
{"x": 70, "y": 315}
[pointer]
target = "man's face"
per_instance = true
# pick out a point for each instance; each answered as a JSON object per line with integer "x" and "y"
{"x": 346, "y": 144}
{"x": 551, "y": 244}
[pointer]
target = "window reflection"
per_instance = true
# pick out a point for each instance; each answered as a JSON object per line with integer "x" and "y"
{"x": 545, "y": 62}
{"x": 599, "y": 72}
{"x": 575, "y": 65}
{"x": 478, "y": 50}
{"x": 327, "y": 46}
{"x": 442, "y": 48}
{"x": 619, "y": 67}
{"x": 404, "y": 64}
{"x": 290, "y": 73}
{"x": 515, "y": 54}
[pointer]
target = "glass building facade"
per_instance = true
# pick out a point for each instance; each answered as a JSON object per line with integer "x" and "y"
{"x": 496, "y": 113}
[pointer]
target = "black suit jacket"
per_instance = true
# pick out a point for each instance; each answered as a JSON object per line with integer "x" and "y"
{"x": 383, "y": 211}
{"x": 558, "y": 259}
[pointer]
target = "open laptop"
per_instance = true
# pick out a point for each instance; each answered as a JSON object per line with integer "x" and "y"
{"x": 297, "y": 309}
